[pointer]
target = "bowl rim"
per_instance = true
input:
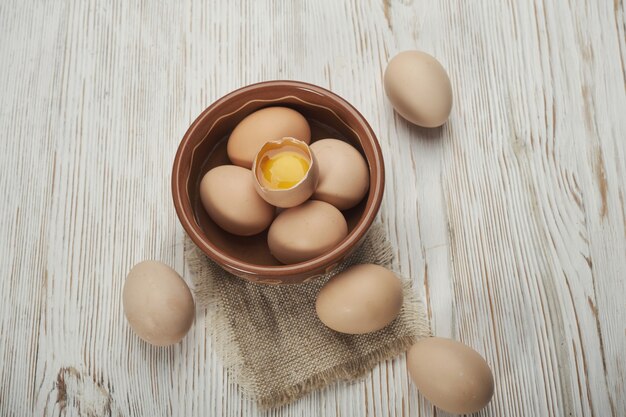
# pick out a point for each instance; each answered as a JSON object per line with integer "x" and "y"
{"x": 197, "y": 235}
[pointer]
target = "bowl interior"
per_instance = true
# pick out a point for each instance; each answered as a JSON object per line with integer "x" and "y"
{"x": 211, "y": 152}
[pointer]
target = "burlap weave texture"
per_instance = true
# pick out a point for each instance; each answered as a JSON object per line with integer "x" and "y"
{"x": 270, "y": 339}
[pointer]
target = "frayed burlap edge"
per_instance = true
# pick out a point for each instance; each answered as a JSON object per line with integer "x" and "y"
{"x": 224, "y": 341}
{"x": 344, "y": 372}
{"x": 226, "y": 346}
{"x": 412, "y": 312}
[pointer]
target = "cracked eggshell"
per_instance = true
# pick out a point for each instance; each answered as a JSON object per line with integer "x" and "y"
{"x": 300, "y": 192}
{"x": 270, "y": 123}
{"x": 362, "y": 299}
{"x": 451, "y": 375}
{"x": 157, "y": 303}
{"x": 306, "y": 231}
{"x": 418, "y": 88}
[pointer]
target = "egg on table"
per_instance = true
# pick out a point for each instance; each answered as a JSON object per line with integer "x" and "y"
{"x": 343, "y": 173}
{"x": 228, "y": 195}
{"x": 362, "y": 299}
{"x": 418, "y": 88}
{"x": 157, "y": 303}
{"x": 451, "y": 375}
{"x": 270, "y": 123}
{"x": 285, "y": 172}
{"x": 306, "y": 231}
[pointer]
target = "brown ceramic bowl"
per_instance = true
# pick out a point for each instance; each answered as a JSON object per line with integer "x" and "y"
{"x": 204, "y": 147}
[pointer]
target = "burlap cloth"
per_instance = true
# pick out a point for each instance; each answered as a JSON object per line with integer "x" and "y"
{"x": 271, "y": 341}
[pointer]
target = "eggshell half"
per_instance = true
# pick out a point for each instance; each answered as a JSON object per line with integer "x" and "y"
{"x": 270, "y": 123}
{"x": 362, "y": 299}
{"x": 295, "y": 195}
{"x": 418, "y": 88}
{"x": 306, "y": 231}
{"x": 451, "y": 375}
{"x": 157, "y": 303}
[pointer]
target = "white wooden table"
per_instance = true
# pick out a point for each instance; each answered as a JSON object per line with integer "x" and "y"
{"x": 511, "y": 219}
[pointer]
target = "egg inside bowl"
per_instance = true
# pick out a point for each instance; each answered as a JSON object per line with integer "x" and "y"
{"x": 204, "y": 146}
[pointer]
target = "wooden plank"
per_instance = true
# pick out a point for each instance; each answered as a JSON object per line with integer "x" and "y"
{"x": 511, "y": 218}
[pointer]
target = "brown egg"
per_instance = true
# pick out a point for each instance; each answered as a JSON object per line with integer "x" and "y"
{"x": 228, "y": 195}
{"x": 362, "y": 299}
{"x": 418, "y": 88}
{"x": 451, "y": 375}
{"x": 306, "y": 231}
{"x": 157, "y": 303}
{"x": 343, "y": 173}
{"x": 285, "y": 172}
{"x": 270, "y": 123}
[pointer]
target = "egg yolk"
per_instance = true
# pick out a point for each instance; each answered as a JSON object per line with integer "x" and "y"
{"x": 284, "y": 170}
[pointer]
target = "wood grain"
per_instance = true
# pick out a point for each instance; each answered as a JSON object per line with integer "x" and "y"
{"x": 511, "y": 218}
